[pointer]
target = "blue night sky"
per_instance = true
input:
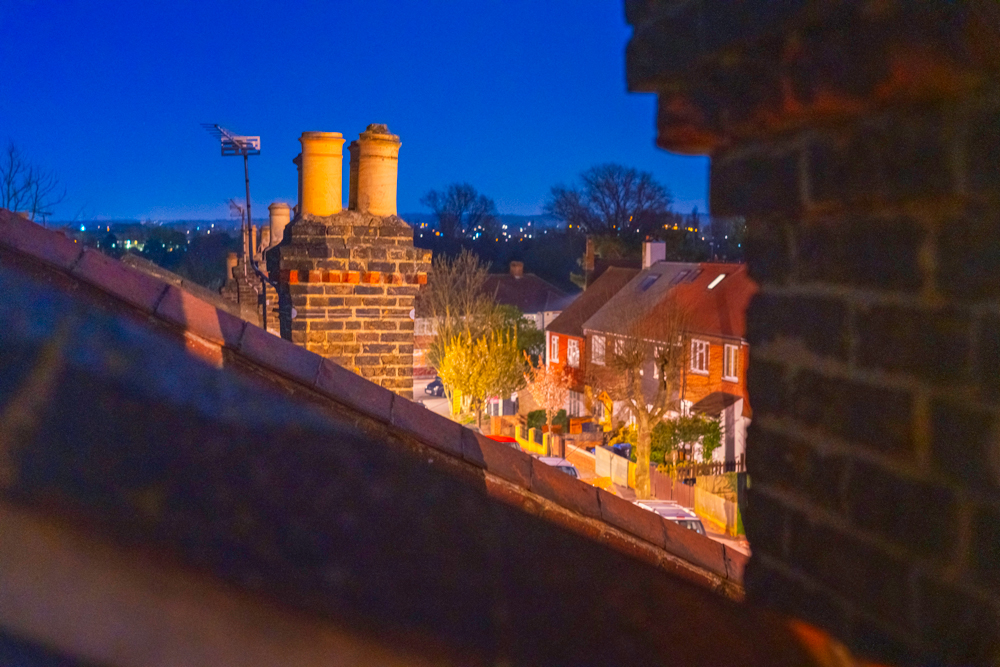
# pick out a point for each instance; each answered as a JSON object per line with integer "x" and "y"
{"x": 512, "y": 96}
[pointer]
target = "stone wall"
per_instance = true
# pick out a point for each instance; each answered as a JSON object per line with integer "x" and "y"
{"x": 861, "y": 142}
{"x": 350, "y": 279}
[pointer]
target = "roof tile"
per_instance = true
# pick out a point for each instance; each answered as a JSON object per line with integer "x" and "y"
{"x": 354, "y": 391}
{"x": 426, "y": 426}
{"x": 631, "y": 518}
{"x": 199, "y": 317}
{"x": 124, "y": 282}
{"x": 736, "y": 564}
{"x": 498, "y": 459}
{"x": 694, "y": 548}
{"x": 549, "y": 482}
{"x": 280, "y": 355}
{"x": 35, "y": 240}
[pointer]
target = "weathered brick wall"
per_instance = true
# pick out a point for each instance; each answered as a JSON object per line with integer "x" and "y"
{"x": 351, "y": 279}
{"x": 861, "y": 140}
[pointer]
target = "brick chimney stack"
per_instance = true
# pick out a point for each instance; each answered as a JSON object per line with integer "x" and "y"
{"x": 517, "y": 269}
{"x": 351, "y": 276}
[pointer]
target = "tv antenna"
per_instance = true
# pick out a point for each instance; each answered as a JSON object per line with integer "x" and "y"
{"x": 235, "y": 144}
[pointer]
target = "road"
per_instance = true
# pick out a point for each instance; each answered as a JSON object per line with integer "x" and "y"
{"x": 433, "y": 403}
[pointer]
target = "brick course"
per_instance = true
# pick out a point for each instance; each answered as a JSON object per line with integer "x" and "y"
{"x": 351, "y": 278}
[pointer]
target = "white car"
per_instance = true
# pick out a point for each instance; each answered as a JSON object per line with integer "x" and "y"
{"x": 562, "y": 464}
{"x": 672, "y": 511}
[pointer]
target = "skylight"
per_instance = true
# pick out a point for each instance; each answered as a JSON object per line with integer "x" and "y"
{"x": 648, "y": 281}
{"x": 718, "y": 279}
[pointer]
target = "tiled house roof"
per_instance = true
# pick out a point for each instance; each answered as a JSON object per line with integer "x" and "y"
{"x": 529, "y": 293}
{"x": 570, "y": 321}
{"x": 279, "y": 489}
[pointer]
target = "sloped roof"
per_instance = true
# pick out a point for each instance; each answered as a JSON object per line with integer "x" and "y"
{"x": 570, "y": 321}
{"x": 528, "y": 293}
{"x": 290, "y": 480}
{"x": 623, "y": 312}
{"x": 719, "y": 311}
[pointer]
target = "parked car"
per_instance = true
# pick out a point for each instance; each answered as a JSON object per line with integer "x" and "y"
{"x": 673, "y": 511}
{"x": 435, "y": 387}
{"x": 561, "y": 464}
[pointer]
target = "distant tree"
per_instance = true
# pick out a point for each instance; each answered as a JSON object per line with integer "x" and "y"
{"x": 611, "y": 200}
{"x": 461, "y": 211}
{"x": 549, "y": 386}
{"x": 109, "y": 246}
{"x": 27, "y": 188}
{"x": 655, "y": 345}
{"x": 482, "y": 368}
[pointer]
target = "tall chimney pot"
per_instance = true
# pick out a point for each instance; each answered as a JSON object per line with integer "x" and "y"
{"x": 322, "y": 170}
{"x": 231, "y": 261}
{"x": 377, "y": 171}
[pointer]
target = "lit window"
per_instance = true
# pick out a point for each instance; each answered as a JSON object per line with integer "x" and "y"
{"x": 597, "y": 350}
{"x": 699, "y": 357}
{"x": 730, "y": 363}
{"x": 554, "y": 358}
{"x": 573, "y": 353}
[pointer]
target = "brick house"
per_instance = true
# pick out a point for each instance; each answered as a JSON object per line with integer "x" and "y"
{"x": 713, "y": 297}
{"x": 538, "y": 299}
{"x": 565, "y": 342}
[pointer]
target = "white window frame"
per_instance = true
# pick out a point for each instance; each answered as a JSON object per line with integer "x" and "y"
{"x": 656, "y": 365}
{"x": 699, "y": 348}
{"x": 731, "y": 363}
{"x": 597, "y": 350}
{"x": 554, "y": 349}
{"x": 573, "y": 353}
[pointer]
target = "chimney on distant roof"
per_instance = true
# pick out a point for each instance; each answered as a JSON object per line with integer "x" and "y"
{"x": 280, "y": 215}
{"x": 653, "y": 252}
{"x": 588, "y": 259}
{"x": 265, "y": 237}
{"x": 374, "y": 170}
{"x": 517, "y": 269}
{"x": 322, "y": 173}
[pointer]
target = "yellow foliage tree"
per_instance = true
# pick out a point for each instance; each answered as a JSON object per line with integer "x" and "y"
{"x": 482, "y": 368}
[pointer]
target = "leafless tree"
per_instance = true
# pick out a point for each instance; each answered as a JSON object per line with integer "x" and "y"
{"x": 455, "y": 300}
{"x": 27, "y": 188}
{"x": 460, "y": 210}
{"x": 611, "y": 200}
{"x": 648, "y": 345}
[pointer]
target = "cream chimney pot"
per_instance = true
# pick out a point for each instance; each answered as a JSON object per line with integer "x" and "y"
{"x": 280, "y": 216}
{"x": 322, "y": 173}
{"x": 231, "y": 260}
{"x": 378, "y": 166}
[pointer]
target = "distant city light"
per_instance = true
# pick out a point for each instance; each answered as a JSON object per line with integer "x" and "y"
{"x": 82, "y": 228}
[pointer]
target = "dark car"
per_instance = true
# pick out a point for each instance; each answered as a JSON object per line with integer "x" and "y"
{"x": 435, "y": 388}
{"x": 622, "y": 449}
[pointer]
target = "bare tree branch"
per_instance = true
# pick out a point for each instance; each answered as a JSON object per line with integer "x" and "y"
{"x": 27, "y": 188}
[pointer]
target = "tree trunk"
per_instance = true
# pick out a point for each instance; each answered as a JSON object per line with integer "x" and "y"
{"x": 642, "y": 452}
